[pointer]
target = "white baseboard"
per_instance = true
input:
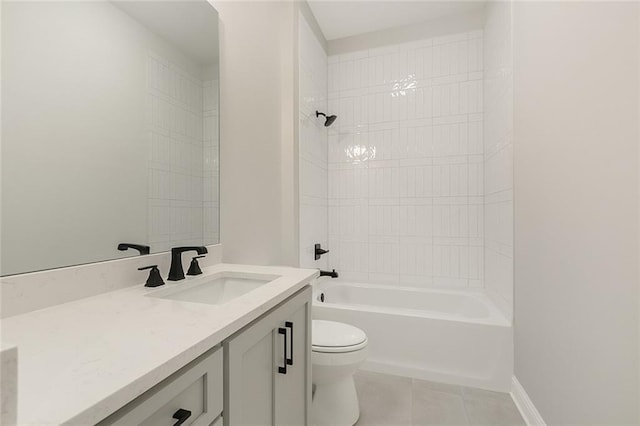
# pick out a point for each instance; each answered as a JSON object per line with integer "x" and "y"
{"x": 528, "y": 411}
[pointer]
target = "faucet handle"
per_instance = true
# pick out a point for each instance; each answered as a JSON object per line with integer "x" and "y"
{"x": 154, "y": 280}
{"x": 318, "y": 251}
{"x": 194, "y": 267}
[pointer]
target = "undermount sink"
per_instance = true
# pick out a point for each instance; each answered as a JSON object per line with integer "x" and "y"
{"x": 215, "y": 289}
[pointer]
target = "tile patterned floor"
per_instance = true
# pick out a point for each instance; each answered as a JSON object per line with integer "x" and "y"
{"x": 400, "y": 401}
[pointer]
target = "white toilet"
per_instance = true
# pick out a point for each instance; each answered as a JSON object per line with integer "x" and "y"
{"x": 338, "y": 349}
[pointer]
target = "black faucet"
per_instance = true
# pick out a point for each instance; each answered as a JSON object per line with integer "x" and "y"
{"x": 332, "y": 274}
{"x": 141, "y": 248}
{"x": 176, "y": 273}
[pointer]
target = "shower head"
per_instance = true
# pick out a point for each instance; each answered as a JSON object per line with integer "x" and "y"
{"x": 329, "y": 119}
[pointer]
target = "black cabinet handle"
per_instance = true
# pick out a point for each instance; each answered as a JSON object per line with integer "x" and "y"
{"x": 289, "y": 325}
{"x": 181, "y": 416}
{"x": 283, "y": 370}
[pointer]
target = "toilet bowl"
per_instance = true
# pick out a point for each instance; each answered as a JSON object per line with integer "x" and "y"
{"x": 338, "y": 349}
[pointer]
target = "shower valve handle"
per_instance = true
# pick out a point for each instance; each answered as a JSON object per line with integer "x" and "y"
{"x": 319, "y": 251}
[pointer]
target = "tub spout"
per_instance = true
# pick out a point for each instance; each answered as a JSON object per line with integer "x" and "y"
{"x": 332, "y": 274}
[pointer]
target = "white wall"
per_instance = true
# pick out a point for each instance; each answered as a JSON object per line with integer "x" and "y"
{"x": 257, "y": 153}
{"x": 405, "y": 162}
{"x": 313, "y": 145}
{"x": 576, "y": 209}
{"x": 498, "y": 155}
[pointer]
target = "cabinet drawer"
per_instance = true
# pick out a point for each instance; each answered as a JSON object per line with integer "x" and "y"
{"x": 196, "y": 388}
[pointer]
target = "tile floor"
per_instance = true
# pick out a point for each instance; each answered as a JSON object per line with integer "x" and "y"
{"x": 400, "y": 401}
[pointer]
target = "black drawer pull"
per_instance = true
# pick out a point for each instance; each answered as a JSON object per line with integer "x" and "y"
{"x": 181, "y": 416}
{"x": 289, "y": 325}
{"x": 283, "y": 370}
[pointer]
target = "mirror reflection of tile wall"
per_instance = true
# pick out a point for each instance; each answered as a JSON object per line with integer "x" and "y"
{"x": 109, "y": 130}
{"x": 181, "y": 124}
{"x": 211, "y": 166}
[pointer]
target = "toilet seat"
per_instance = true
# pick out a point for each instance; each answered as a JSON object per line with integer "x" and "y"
{"x": 338, "y": 349}
{"x": 336, "y": 337}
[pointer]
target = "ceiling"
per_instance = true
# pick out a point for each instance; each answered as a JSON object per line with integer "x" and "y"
{"x": 344, "y": 18}
{"x": 191, "y": 26}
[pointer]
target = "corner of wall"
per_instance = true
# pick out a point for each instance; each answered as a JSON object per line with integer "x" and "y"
{"x": 311, "y": 139}
{"x": 638, "y": 106}
{"x": 498, "y": 155}
{"x": 308, "y": 15}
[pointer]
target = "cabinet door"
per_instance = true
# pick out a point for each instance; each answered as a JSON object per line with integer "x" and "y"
{"x": 293, "y": 390}
{"x": 255, "y": 363}
{"x": 249, "y": 376}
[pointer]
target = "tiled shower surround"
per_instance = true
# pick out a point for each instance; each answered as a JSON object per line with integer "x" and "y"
{"x": 405, "y": 195}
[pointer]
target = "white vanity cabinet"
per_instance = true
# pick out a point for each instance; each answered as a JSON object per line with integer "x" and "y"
{"x": 268, "y": 367}
{"x": 261, "y": 375}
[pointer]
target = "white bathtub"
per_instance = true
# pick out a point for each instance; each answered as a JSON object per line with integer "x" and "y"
{"x": 450, "y": 336}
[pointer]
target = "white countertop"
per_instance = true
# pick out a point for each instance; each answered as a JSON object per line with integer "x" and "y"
{"x": 81, "y": 361}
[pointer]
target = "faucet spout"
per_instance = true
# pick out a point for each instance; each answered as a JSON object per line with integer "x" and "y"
{"x": 141, "y": 248}
{"x": 332, "y": 274}
{"x": 176, "y": 271}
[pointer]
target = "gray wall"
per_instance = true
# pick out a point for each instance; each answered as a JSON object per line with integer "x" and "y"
{"x": 576, "y": 209}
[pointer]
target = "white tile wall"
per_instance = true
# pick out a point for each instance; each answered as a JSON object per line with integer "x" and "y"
{"x": 182, "y": 124}
{"x": 313, "y": 152}
{"x": 498, "y": 155}
{"x": 406, "y": 163}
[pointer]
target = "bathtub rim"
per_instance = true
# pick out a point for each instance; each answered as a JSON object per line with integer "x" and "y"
{"x": 495, "y": 318}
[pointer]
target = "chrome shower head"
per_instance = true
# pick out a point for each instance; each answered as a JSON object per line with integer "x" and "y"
{"x": 329, "y": 119}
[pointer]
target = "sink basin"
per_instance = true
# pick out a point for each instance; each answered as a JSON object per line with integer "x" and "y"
{"x": 214, "y": 289}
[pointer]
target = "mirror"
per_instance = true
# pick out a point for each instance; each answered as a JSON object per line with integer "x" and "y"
{"x": 109, "y": 130}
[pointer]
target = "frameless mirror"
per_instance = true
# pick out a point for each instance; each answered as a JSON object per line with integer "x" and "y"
{"x": 109, "y": 130}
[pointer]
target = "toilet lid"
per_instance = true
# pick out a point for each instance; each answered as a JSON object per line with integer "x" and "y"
{"x": 331, "y": 334}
